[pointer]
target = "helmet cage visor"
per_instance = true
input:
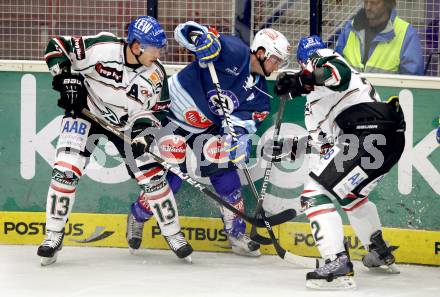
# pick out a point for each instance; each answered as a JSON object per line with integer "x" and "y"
{"x": 152, "y": 49}
{"x": 277, "y": 60}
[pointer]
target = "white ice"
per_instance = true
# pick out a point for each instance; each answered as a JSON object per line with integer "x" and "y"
{"x": 109, "y": 272}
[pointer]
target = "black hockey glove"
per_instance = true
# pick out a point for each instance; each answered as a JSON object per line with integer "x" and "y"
{"x": 142, "y": 135}
{"x": 73, "y": 93}
{"x": 296, "y": 84}
{"x": 281, "y": 150}
{"x": 288, "y": 149}
{"x": 140, "y": 145}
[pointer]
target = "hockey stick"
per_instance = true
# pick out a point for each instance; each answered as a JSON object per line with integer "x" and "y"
{"x": 275, "y": 220}
{"x": 230, "y": 126}
{"x": 282, "y": 253}
{"x": 254, "y": 234}
{"x": 288, "y": 214}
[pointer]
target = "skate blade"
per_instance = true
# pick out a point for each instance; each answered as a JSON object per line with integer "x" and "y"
{"x": 132, "y": 251}
{"x": 241, "y": 252}
{"x": 45, "y": 261}
{"x": 340, "y": 283}
{"x": 188, "y": 259}
{"x": 391, "y": 269}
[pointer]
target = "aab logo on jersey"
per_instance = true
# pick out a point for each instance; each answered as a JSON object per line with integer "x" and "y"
{"x": 230, "y": 99}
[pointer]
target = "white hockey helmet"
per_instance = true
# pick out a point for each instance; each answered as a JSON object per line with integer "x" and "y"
{"x": 274, "y": 43}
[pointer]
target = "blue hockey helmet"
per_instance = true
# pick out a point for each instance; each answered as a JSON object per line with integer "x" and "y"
{"x": 147, "y": 31}
{"x": 307, "y": 46}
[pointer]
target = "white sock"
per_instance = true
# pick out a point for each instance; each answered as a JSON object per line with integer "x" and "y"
{"x": 163, "y": 205}
{"x": 328, "y": 232}
{"x": 365, "y": 221}
{"x": 59, "y": 205}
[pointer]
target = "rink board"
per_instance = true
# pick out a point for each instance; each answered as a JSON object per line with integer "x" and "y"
{"x": 408, "y": 197}
{"x": 206, "y": 234}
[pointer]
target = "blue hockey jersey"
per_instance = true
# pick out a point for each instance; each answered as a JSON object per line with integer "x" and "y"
{"x": 194, "y": 102}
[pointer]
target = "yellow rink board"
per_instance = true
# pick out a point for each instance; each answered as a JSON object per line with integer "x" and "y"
{"x": 206, "y": 234}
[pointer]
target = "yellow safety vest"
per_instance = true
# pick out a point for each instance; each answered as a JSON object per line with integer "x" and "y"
{"x": 385, "y": 57}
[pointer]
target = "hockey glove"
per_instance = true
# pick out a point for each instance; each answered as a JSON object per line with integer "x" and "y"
{"x": 208, "y": 47}
{"x": 142, "y": 134}
{"x": 239, "y": 147}
{"x": 183, "y": 31}
{"x": 296, "y": 84}
{"x": 140, "y": 145}
{"x": 288, "y": 149}
{"x": 73, "y": 93}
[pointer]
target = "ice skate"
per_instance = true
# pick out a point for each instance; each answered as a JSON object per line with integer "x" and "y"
{"x": 133, "y": 233}
{"x": 52, "y": 244}
{"x": 380, "y": 257}
{"x": 235, "y": 228}
{"x": 180, "y": 246}
{"x": 244, "y": 246}
{"x": 334, "y": 275}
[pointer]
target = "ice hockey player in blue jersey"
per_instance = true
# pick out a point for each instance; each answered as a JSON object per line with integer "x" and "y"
{"x": 196, "y": 119}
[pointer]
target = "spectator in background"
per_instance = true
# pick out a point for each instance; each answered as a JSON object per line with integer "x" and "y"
{"x": 377, "y": 40}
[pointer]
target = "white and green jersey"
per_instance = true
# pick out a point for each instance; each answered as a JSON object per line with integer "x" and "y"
{"x": 342, "y": 87}
{"x": 118, "y": 93}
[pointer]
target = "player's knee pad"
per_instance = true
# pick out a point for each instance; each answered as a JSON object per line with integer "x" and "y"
{"x": 152, "y": 180}
{"x": 314, "y": 203}
{"x": 67, "y": 170}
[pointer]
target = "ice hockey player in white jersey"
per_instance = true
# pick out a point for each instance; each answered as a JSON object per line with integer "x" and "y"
{"x": 196, "y": 119}
{"x": 121, "y": 82}
{"x": 367, "y": 139}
